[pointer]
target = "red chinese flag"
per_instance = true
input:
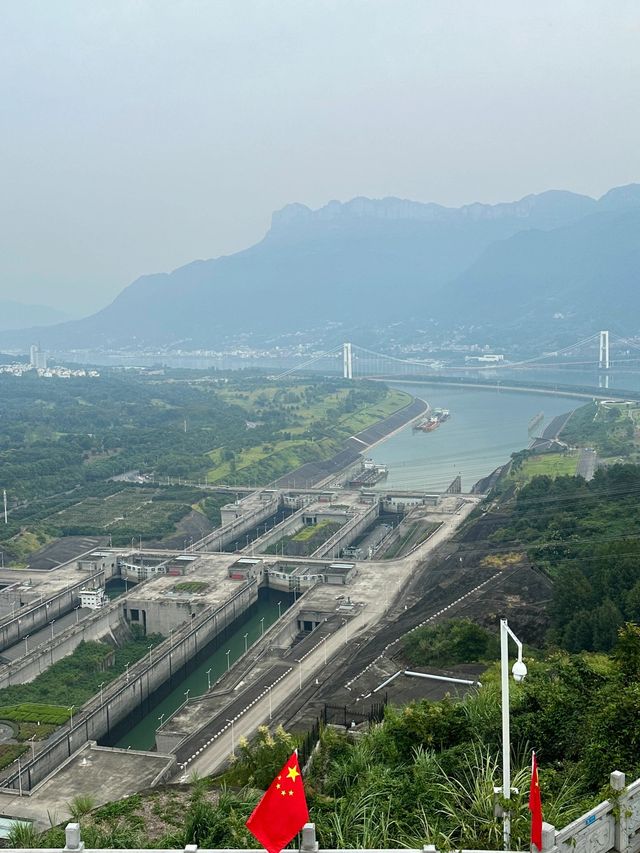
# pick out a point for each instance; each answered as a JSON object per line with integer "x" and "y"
{"x": 535, "y": 805}
{"x": 282, "y": 812}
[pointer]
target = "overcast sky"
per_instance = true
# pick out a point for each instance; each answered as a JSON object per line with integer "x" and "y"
{"x": 137, "y": 135}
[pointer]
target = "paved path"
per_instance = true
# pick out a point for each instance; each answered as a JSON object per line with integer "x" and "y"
{"x": 587, "y": 463}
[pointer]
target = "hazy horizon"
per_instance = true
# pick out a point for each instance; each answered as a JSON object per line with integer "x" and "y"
{"x": 140, "y": 136}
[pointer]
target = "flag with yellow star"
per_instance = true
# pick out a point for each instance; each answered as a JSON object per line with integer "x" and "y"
{"x": 535, "y": 804}
{"x": 282, "y": 812}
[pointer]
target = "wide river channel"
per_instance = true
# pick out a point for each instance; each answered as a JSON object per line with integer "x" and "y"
{"x": 485, "y": 427}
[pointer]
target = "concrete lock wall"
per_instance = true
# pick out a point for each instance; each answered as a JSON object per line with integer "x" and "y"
{"x": 38, "y": 615}
{"x": 221, "y": 537}
{"x": 287, "y": 528}
{"x": 94, "y": 627}
{"x": 97, "y": 718}
{"x": 348, "y": 533}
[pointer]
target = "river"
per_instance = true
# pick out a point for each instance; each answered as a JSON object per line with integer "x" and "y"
{"x": 484, "y": 429}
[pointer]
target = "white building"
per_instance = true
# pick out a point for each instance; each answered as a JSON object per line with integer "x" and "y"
{"x": 94, "y": 599}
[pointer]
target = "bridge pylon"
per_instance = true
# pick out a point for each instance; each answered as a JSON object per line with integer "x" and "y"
{"x": 603, "y": 359}
{"x": 347, "y": 361}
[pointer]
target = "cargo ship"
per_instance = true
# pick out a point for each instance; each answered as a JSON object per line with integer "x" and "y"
{"x": 434, "y": 420}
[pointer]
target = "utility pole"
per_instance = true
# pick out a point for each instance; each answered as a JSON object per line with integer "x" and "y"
{"x": 4, "y": 495}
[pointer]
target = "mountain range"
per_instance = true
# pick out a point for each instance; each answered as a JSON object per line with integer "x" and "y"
{"x": 555, "y": 257}
{"x": 17, "y": 315}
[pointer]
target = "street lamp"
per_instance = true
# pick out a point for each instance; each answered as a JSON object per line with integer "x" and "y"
{"x": 270, "y": 708}
{"x": 262, "y": 627}
{"x": 519, "y": 671}
{"x": 77, "y": 613}
{"x": 233, "y": 740}
{"x": 228, "y": 659}
{"x": 279, "y": 609}
{"x": 245, "y": 642}
{"x": 150, "y": 647}
{"x": 186, "y": 693}
{"x": 300, "y": 674}
{"x": 100, "y": 686}
{"x": 324, "y": 641}
{"x": 208, "y": 679}
{"x": 51, "y": 623}
{"x": 161, "y": 718}
{"x": 26, "y": 644}
{"x": 71, "y": 707}
{"x": 126, "y": 671}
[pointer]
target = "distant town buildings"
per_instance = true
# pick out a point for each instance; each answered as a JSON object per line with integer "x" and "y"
{"x": 21, "y": 369}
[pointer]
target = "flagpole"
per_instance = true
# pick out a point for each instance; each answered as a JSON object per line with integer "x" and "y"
{"x": 506, "y": 741}
{"x": 519, "y": 672}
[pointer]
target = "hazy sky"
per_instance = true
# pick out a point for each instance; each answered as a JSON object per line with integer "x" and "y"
{"x": 137, "y": 135}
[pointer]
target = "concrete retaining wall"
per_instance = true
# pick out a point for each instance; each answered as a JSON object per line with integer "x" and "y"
{"x": 348, "y": 533}
{"x": 94, "y": 627}
{"x": 223, "y": 536}
{"x": 33, "y": 618}
{"x": 286, "y": 528}
{"x": 98, "y": 717}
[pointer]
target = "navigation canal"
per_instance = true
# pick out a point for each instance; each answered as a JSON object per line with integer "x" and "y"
{"x": 485, "y": 428}
{"x": 142, "y": 735}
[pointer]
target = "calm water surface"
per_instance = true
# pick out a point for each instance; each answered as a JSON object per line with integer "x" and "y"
{"x": 484, "y": 429}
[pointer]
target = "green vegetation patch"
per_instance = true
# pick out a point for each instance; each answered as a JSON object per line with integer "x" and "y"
{"x": 295, "y": 546}
{"x": 32, "y": 712}
{"x": 9, "y": 752}
{"x": 610, "y": 429}
{"x": 76, "y": 678}
{"x": 448, "y": 643}
{"x": 310, "y": 530}
{"x": 191, "y": 586}
{"x": 546, "y": 464}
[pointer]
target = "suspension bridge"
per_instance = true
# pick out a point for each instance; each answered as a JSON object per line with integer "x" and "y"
{"x": 600, "y": 352}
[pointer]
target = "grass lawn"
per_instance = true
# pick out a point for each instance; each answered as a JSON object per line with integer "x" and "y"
{"x": 551, "y": 464}
{"x": 309, "y": 530}
{"x": 267, "y": 461}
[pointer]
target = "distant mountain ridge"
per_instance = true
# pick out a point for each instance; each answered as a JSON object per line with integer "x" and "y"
{"x": 376, "y": 261}
{"x": 17, "y": 315}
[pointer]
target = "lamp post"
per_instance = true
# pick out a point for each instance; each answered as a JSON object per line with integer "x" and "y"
{"x": 300, "y": 675}
{"x": 161, "y": 718}
{"x": 51, "y": 623}
{"x": 71, "y": 707}
{"x": 324, "y": 643}
{"x": 208, "y": 679}
{"x": 150, "y": 647}
{"x": 270, "y": 708}
{"x": 228, "y": 659}
{"x": 519, "y": 671}
{"x": 246, "y": 645}
{"x": 262, "y": 627}
{"x": 186, "y": 693}
{"x": 233, "y": 740}
{"x": 26, "y": 644}
{"x": 77, "y": 613}
{"x": 126, "y": 671}
{"x": 279, "y": 609}
{"x": 100, "y": 686}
